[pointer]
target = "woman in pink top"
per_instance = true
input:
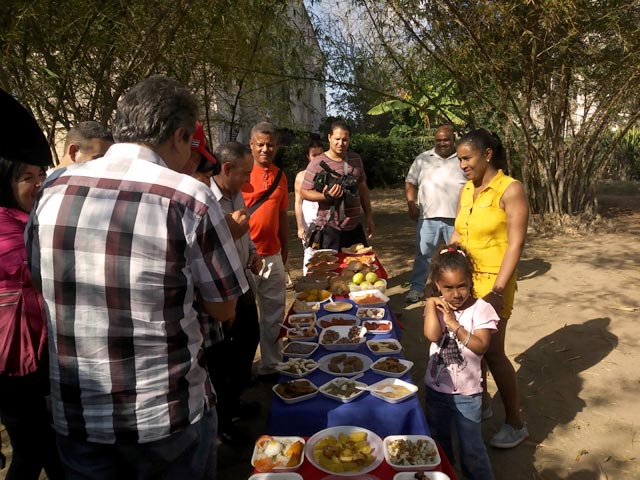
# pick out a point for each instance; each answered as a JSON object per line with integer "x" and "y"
{"x": 23, "y": 351}
{"x": 459, "y": 327}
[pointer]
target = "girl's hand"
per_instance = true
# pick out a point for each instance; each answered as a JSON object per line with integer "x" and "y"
{"x": 446, "y": 309}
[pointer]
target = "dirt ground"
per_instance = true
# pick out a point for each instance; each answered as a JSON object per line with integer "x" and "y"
{"x": 573, "y": 339}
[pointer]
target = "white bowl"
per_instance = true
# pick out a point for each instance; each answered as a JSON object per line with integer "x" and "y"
{"x": 387, "y": 324}
{"x": 355, "y": 320}
{"x": 392, "y": 382}
{"x": 276, "y": 470}
{"x": 412, "y": 475}
{"x": 323, "y": 364}
{"x": 357, "y": 298}
{"x": 291, "y": 335}
{"x": 360, "y": 288}
{"x": 405, "y": 464}
{"x": 374, "y": 441}
{"x": 277, "y": 476}
{"x": 383, "y": 347}
{"x": 406, "y": 363}
{"x": 304, "y": 367}
{"x": 313, "y": 347}
{"x": 301, "y": 398}
{"x": 372, "y": 313}
{"x": 343, "y": 331}
{"x": 338, "y": 382}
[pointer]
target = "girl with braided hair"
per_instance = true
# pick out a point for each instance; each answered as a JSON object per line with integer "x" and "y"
{"x": 459, "y": 325}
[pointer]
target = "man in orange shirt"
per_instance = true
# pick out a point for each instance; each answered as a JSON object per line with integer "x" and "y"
{"x": 269, "y": 229}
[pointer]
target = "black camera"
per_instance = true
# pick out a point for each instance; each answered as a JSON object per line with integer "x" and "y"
{"x": 329, "y": 177}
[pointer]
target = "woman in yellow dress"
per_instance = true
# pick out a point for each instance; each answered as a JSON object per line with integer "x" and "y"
{"x": 491, "y": 225}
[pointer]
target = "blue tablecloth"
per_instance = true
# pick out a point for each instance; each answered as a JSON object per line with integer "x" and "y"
{"x": 310, "y": 416}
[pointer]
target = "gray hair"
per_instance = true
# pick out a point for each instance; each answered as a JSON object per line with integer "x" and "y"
{"x": 84, "y": 132}
{"x": 264, "y": 128}
{"x": 231, "y": 152}
{"x": 153, "y": 110}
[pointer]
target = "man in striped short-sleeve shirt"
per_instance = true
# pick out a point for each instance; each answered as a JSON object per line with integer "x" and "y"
{"x": 121, "y": 247}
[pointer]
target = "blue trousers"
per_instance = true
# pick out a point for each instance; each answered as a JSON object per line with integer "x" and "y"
{"x": 187, "y": 454}
{"x": 447, "y": 412}
{"x": 430, "y": 232}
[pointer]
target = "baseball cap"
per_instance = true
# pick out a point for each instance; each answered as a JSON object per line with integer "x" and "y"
{"x": 199, "y": 144}
{"x": 21, "y": 139}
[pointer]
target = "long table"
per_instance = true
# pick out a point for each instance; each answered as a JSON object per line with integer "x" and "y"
{"x": 310, "y": 416}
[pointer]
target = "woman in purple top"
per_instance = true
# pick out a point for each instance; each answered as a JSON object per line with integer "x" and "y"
{"x": 23, "y": 335}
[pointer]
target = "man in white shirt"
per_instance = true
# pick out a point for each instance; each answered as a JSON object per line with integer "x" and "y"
{"x": 432, "y": 187}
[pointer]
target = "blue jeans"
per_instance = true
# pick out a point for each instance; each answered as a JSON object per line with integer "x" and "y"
{"x": 430, "y": 232}
{"x": 188, "y": 453}
{"x": 463, "y": 412}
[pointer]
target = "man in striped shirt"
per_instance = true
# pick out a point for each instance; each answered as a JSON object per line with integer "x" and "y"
{"x": 121, "y": 248}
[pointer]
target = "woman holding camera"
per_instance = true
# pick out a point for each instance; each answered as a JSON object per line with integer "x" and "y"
{"x": 342, "y": 197}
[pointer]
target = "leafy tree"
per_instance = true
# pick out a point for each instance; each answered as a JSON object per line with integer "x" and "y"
{"x": 554, "y": 76}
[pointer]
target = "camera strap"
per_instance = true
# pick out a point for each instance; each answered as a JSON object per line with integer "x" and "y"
{"x": 339, "y": 202}
{"x": 266, "y": 194}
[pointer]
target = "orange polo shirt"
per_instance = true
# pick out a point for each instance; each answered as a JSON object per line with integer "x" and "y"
{"x": 264, "y": 223}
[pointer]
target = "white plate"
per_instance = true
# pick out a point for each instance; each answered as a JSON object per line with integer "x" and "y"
{"x": 407, "y": 364}
{"x": 323, "y": 364}
{"x": 277, "y": 476}
{"x": 338, "y": 307}
{"x": 291, "y": 335}
{"x": 329, "y": 251}
{"x": 373, "y": 313}
{"x": 300, "y": 355}
{"x": 318, "y": 302}
{"x": 374, "y": 441}
{"x": 304, "y": 319}
{"x": 312, "y": 364}
{"x": 338, "y": 382}
{"x": 383, "y": 350}
{"x": 383, "y": 299}
{"x": 429, "y": 465}
{"x": 343, "y": 331}
{"x": 429, "y": 475}
{"x": 391, "y": 382}
{"x": 331, "y": 316}
{"x": 296, "y": 399}
{"x": 378, "y": 331}
{"x": 277, "y": 470}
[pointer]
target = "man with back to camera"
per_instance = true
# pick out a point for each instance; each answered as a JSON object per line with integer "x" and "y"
{"x": 269, "y": 228}
{"x": 86, "y": 141}
{"x": 337, "y": 209}
{"x": 432, "y": 188}
{"x": 119, "y": 246}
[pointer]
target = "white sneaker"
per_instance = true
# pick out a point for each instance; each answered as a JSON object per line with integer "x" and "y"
{"x": 509, "y": 437}
{"x": 413, "y": 296}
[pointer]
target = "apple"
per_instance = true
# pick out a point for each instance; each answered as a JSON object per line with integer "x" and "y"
{"x": 371, "y": 277}
{"x": 379, "y": 283}
{"x": 358, "y": 278}
{"x": 366, "y": 285}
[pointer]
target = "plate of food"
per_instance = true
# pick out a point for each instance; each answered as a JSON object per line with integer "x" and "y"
{"x": 301, "y": 319}
{"x": 342, "y": 389}
{"x": 298, "y": 349}
{"x": 278, "y": 454}
{"x": 323, "y": 267}
{"x": 369, "y": 298}
{"x": 344, "y": 364}
{"x": 321, "y": 258}
{"x": 295, "y": 391}
{"x": 338, "y": 319}
{"x": 300, "y": 306}
{"x": 419, "y": 476}
{"x": 391, "y": 366}
{"x": 384, "y": 347}
{"x": 338, "y": 307}
{"x": 357, "y": 249}
{"x": 353, "y": 451}
{"x": 392, "y": 390}
{"x": 302, "y": 334}
{"x": 276, "y": 476}
{"x": 314, "y": 295}
{"x": 323, "y": 251}
{"x": 373, "y": 313}
{"x": 342, "y": 337}
{"x": 411, "y": 452}
{"x": 377, "y": 327}
{"x": 297, "y": 367}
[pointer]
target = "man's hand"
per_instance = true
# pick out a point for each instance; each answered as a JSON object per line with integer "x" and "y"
{"x": 238, "y": 222}
{"x": 302, "y": 233}
{"x": 334, "y": 192}
{"x": 414, "y": 211}
{"x": 370, "y": 227}
{"x": 254, "y": 263}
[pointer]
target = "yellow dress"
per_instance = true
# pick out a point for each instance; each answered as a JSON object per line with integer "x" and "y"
{"x": 482, "y": 225}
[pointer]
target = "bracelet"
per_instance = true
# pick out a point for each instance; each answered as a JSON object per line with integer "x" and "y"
{"x": 497, "y": 294}
{"x": 455, "y": 332}
{"x": 466, "y": 340}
